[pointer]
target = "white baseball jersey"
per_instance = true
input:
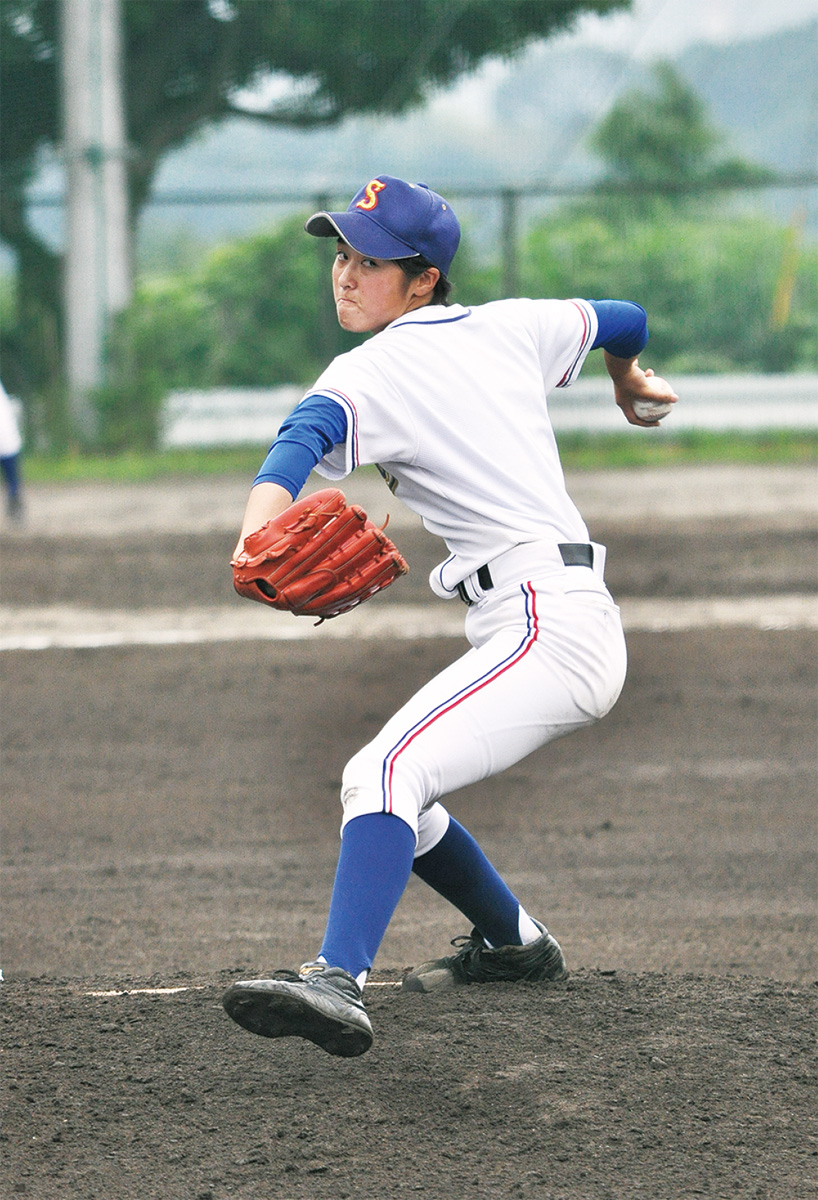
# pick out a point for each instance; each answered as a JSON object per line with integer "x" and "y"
{"x": 452, "y": 404}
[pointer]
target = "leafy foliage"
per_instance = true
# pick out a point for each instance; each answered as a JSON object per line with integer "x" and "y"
{"x": 257, "y": 312}
{"x": 247, "y": 317}
{"x": 708, "y": 284}
{"x": 186, "y": 64}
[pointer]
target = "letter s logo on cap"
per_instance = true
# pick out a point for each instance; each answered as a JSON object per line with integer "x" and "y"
{"x": 371, "y": 200}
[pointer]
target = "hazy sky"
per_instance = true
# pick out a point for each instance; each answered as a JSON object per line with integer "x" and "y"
{"x": 656, "y": 27}
{"x": 651, "y": 29}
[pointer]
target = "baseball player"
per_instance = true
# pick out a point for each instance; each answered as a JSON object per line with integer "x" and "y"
{"x": 451, "y": 403}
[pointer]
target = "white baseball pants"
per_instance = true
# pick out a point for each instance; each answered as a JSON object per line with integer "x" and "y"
{"x": 548, "y": 657}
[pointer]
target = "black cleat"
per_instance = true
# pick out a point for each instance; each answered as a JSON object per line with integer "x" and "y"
{"x": 475, "y": 962}
{"x": 320, "y": 1003}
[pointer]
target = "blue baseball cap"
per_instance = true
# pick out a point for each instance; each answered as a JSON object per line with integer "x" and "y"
{"x": 390, "y": 218}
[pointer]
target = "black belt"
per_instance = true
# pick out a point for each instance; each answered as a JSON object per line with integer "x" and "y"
{"x": 574, "y": 554}
{"x": 577, "y": 554}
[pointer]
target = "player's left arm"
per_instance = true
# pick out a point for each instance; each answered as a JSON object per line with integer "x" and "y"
{"x": 310, "y": 432}
{"x": 622, "y": 333}
{"x": 265, "y": 502}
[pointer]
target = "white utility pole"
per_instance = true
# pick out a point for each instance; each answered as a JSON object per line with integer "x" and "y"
{"x": 97, "y": 274}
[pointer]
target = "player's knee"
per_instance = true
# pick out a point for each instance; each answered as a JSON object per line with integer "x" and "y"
{"x": 360, "y": 784}
{"x": 369, "y": 785}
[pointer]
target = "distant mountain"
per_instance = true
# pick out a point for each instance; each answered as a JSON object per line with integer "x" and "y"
{"x": 764, "y": 94}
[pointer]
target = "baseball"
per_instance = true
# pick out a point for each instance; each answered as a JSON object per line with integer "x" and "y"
{"x": 651, "y": 410}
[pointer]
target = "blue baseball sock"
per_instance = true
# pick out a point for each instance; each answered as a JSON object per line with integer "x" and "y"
{"x": 458, "y": 869}
{"x": 373, "y": 869}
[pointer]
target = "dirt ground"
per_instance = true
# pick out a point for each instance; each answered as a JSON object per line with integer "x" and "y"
{"x": 170, "y": 824}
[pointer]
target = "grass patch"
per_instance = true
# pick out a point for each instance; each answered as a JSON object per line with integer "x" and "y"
{"x": 656, "y": 448}
{"x": 578, "y": 451}
{"x": 142, "y": 468}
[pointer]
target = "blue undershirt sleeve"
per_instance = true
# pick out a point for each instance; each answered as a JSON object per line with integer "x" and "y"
{"x": 623, "y": 327}
{"x": 310, "y": 432}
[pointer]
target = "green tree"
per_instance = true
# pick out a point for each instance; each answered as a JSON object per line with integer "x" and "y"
{"x": 246, "y": 317}
{"x": 659, "y": 145}
{"x": 186, "y": 63}
{"x": 708, "y": 284}
{"x": 661, "y": 229}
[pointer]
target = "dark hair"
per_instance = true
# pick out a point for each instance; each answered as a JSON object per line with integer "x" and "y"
{"x": 415, "y": 266}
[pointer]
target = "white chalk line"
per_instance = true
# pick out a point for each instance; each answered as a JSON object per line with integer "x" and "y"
{"x": 58, "y": 627}
{"x": 116, "y": 993}
{"x": 109, "y": 993}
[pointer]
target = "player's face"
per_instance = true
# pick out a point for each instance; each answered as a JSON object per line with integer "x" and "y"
{"x": 370, "y": 293}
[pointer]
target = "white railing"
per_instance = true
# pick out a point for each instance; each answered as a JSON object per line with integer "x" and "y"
{"x": 717, "y": 402}
{"x": 226, "y": 416}
{"x": 252, "y": 416}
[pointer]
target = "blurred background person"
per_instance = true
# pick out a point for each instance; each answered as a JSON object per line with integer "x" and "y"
{"x": 11, "y": 446}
